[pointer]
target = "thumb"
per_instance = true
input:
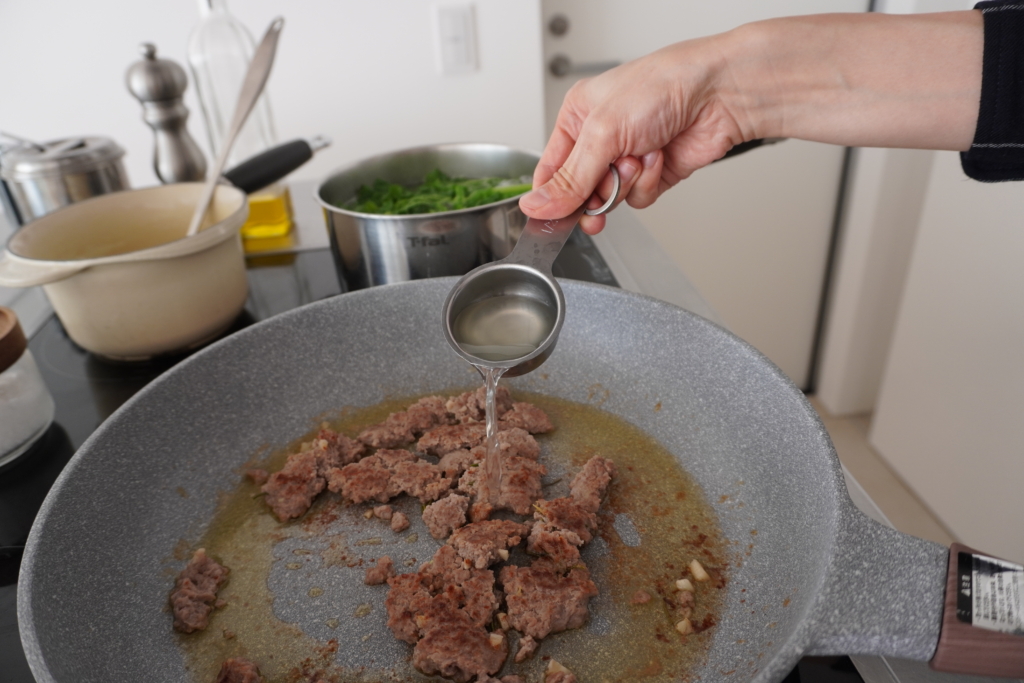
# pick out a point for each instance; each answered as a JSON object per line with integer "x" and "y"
{"x": 571, "y": 185}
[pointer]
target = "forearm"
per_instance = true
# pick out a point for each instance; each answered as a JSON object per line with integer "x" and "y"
{"x": 870, "y": 80}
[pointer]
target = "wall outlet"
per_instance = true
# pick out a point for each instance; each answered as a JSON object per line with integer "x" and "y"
{"x": 455, "y": 36}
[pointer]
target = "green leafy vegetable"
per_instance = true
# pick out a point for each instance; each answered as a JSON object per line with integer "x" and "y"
{"x": 439, "y": 192}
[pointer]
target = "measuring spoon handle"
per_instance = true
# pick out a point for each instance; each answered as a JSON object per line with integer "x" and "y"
{"x": 542, "y": 240}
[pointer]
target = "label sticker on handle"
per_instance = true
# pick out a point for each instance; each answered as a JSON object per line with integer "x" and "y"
{"x": 990, "y": 593}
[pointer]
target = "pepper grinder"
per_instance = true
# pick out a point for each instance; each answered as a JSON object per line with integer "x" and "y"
{"x": 159, "y": 84}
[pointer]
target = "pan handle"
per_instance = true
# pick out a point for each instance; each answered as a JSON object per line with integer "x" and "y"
{"x": 892, "y": 594}
{"x": 883, "y": 595}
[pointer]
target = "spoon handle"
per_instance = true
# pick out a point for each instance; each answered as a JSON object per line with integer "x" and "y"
{"x": 252, "y": 87}
{"x": 542, "y": 240}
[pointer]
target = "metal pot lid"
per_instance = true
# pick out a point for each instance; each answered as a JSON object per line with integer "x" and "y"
{"x": 59, "y": 157}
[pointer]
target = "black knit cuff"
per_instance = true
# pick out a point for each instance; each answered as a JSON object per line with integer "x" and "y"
{"x": 997, "y": 152}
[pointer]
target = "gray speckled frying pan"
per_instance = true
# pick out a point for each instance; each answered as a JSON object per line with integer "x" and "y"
{"x": 822, "y": 576}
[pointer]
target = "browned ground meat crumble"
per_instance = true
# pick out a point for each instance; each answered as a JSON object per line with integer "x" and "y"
{"x": 399, "y": 522}
{"x": 380, "y": 572}
{"x": 447, "y": 608}
{"x": 195, "y": 592}
{"x": 446, "y": 515}
{"x": 238, "y": 670}
{"x": 484, "y": 543}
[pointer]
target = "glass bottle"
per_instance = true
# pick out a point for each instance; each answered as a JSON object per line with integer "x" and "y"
{"x": 219, "y": 52}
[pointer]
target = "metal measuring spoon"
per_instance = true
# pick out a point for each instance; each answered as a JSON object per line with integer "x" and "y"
{"x": 507, "y": 314}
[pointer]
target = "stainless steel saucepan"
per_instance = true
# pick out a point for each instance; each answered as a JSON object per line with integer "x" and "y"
{"x": 371, "y": 249}
{"x": 820, "y": 576}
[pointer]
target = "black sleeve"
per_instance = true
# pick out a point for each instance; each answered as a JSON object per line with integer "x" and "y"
{"x": 997, "y": 152}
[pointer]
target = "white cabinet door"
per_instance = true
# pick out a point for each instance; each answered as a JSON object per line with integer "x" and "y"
{"x": 753, "y": 232}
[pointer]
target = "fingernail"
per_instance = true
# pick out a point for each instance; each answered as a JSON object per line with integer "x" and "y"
{"x": 648, "y": 159}
{"x": 535, "y": 199}
{"x": 627, "y": 171}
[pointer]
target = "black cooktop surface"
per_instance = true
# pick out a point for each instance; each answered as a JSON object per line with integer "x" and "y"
{"x": 87, "y": 390}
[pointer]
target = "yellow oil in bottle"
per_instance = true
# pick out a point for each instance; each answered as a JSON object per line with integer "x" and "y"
{"x": 270, "y": 213}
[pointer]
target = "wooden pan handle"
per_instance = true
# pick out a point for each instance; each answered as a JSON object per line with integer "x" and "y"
{"x": 966, "y": 648}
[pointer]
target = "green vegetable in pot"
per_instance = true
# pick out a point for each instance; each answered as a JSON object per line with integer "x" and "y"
{"x": 439, "y": 192}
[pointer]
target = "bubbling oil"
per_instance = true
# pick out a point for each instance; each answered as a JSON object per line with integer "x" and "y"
{"x": 503, "y": 328}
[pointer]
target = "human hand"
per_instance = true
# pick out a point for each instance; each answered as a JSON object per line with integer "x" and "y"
{"x": 658, "y": 119}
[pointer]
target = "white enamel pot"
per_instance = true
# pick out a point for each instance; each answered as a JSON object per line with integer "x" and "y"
{"x": 121, "y": 275}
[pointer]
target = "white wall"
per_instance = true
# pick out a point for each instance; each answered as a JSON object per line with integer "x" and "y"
{"x": 361, "y": 72}
{"x": 949, "y": 413}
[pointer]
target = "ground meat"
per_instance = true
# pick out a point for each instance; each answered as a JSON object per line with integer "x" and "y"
{"x": 453, "y": 464}
{"x": 445, "y": 515}
{"x": 528, "y": 417}
{"x": 559, "y": 545}
{"x": 195, "y": 592}
{"x": 541, "y": 601}
{"x": 379, "y": 573}
{"x": 362, "y": 481}
{"x": 527, "y": 646}
{"x": 238, "y": 670}
{"x": 291, "y": 490}
{"x": 518, "y": 442}
{"x": 470, "y": 406}
{"x": 407, "y": 597}
{"x": 420, "y": 479}
{"x": 337, "y": 449}
{"x": 399, "y": 522}
{"x": 641, "y": 597}
{"x": 413, "y": 598}
{"x": 520, "y": 484}
{"x": 402, "y": 428}
{"x": 560, "y": 677}
{"x": 588, "y": 487}
{"x": 567, "y": 514}
{"x": 454, "y": 647}
{"x": 482, "y": 542}
{"x": 383, "y": 512}
{"x": 445, "y": 439}
{"x": 257, "y": 476}
{"x": 520, "y": 487}
{"x": 511, "y": 678}
{"x": 370, "y": 479}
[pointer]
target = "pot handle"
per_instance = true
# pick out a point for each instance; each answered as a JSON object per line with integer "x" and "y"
{"x": 15, "y": 272}
{"x": 274, "y": 164}
{"x": 895, "y": 595}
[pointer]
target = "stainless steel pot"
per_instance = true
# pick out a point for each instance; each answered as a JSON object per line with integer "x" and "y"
{"x": 42, "y": 178}
{"x": 375, "y": 250}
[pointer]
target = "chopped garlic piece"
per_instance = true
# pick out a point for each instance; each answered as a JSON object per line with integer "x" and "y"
{"x": 684, "y": 585}
{"x": 496, "y": 640}
{"x": 698, "y": 571}
{"x": 368, "y": 514}
{"x": 555, "y": 668}
{"x": 503, "y": 620}
{"x": 502, "y": 553}
{"x": 685, "y": 627}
